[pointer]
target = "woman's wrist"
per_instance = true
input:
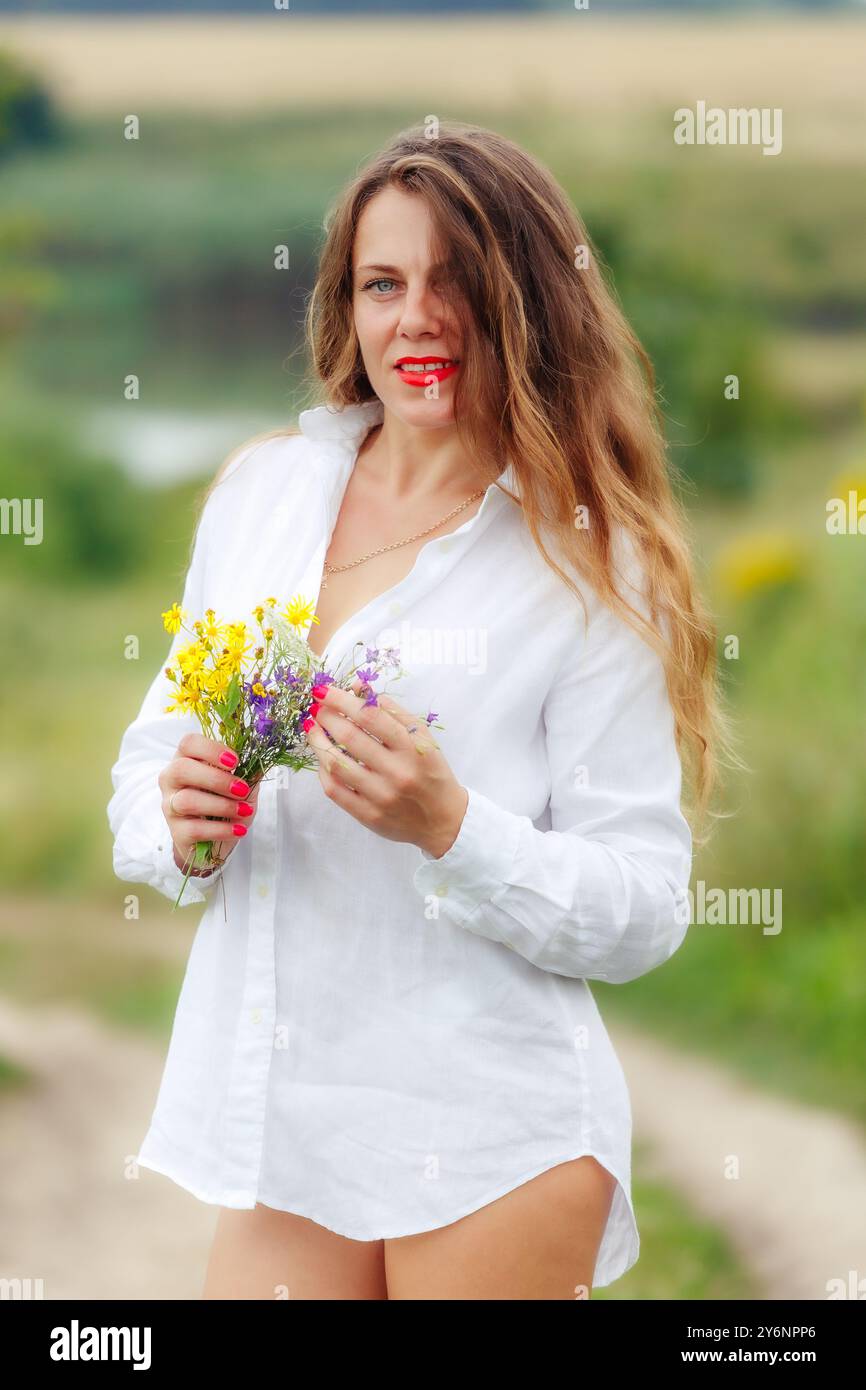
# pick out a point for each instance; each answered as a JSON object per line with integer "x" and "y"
{"x": 440, "y": 843}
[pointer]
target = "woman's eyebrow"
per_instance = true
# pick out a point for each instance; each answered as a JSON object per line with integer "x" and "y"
{"x": 392, "y": 269}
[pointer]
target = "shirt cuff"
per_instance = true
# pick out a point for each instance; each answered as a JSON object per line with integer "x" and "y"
{"x": 475, "y": 869}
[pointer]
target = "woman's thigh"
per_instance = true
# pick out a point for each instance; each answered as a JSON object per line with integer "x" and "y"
{"x": 540, "y": 1240}
{"x": 264, "y": 1253}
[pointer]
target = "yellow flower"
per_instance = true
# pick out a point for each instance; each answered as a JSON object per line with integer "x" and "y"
{"x": 270, "y": 603}
{"x": 300, "y": 611}
{"x": 259, "y": 613}
{"x": 173, "y": 618}
{"x": 752, "y": 563}
{"x": 259, "y": 689}
{"x": 192, "y": 663}
{"x": 849, "y": 482}
{"x": 218, "y": 682}
{"x": 212, "y": 629}
{"x": 268, "y": 632}
{"x": 234, "y": 653}
{"x": 184, "y": 699}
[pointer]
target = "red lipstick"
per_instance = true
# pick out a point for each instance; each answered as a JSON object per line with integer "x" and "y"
{"x": 420, "y": 371}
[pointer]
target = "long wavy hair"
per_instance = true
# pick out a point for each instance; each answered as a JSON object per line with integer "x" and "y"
{"x": 553, "y": 381}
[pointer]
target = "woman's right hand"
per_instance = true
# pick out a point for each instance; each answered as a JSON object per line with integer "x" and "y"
{"x": 199, "y": 783}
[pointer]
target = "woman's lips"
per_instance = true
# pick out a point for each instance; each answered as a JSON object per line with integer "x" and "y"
{"x": 422, "y": 376}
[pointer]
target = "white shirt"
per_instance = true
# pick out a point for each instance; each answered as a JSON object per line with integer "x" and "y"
{"x": 376, "y": 1039}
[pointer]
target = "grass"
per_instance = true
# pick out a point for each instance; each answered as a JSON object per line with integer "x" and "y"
{"x": 12, "y": 1077}
{"x": 88, "y": 953}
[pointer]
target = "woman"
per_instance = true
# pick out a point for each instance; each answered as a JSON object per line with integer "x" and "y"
{"x": 387, "y": 1067}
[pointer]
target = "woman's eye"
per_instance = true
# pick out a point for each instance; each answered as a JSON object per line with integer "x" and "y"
{"x": 371, "y": 283}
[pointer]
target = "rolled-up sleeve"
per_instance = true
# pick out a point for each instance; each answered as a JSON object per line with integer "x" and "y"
{"x": 603, "y": 893}
{"x": 143, "y": 848}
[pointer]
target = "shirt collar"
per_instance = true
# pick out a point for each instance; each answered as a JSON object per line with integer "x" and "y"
{"x": 349, "y": 425}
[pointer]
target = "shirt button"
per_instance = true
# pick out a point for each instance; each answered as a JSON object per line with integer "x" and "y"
{"x": 256, "y": 1015}
{"x": 263, "y": 890}
{"x": 446, "y": 545}
{"x": 395, "y": 609}
{"x": 442, "y": 890}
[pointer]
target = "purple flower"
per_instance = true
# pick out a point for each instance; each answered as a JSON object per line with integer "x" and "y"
{"x": 431, "y": 716}
{"x": 366, "y": 675}
{"x": 256, "y": 701}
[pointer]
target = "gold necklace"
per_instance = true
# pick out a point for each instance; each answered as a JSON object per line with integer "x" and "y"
{"x": 336, "y": 569}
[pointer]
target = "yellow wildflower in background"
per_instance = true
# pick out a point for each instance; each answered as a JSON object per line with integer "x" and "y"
{"x": 849, "y": 482}
{"x": 749, "y": 564}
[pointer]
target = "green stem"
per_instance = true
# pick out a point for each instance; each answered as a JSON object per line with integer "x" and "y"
{"x": 199, "y": 860}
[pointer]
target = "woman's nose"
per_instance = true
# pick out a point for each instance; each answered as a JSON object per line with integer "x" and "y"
{"x": 421, "y": 312}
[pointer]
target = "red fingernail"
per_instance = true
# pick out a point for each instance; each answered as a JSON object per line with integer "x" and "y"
{"x": 239, "y": 829}
{"x": 245, "y": 809}
{"x": 228, "y": 759}
{"x": 314, "y": 709}
{"x": 320, "y": 691}
{"x": 239, "y": 787}
{"x": 308, "y": 724}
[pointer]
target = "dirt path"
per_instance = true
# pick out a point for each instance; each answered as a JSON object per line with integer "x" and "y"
{"x": 69, "y": 1215}
{"x": 797, "y": 1211}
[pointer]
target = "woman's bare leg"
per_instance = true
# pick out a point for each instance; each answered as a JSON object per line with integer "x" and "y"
{"x": 271, "y": 1254}
{"x": 539, "y": 1241}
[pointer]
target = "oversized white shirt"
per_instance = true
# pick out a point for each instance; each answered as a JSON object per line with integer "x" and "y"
{"x": 368, "y": 1036}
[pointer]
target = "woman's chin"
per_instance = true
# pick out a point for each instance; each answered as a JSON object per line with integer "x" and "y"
{"x": 415, "y": 408}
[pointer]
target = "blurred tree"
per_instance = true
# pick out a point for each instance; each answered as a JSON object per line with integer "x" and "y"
{"x": 26, "y": 283}
{"x": 97, "y": 521}
{"x": 28, "y": 118}
{"x": 28, "y": 115}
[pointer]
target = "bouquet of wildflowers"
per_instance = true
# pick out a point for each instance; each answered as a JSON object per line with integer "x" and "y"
{"x": 252, "y": 689}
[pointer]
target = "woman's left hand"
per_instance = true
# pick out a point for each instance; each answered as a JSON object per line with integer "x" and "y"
{"x": 405, "y": 789}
